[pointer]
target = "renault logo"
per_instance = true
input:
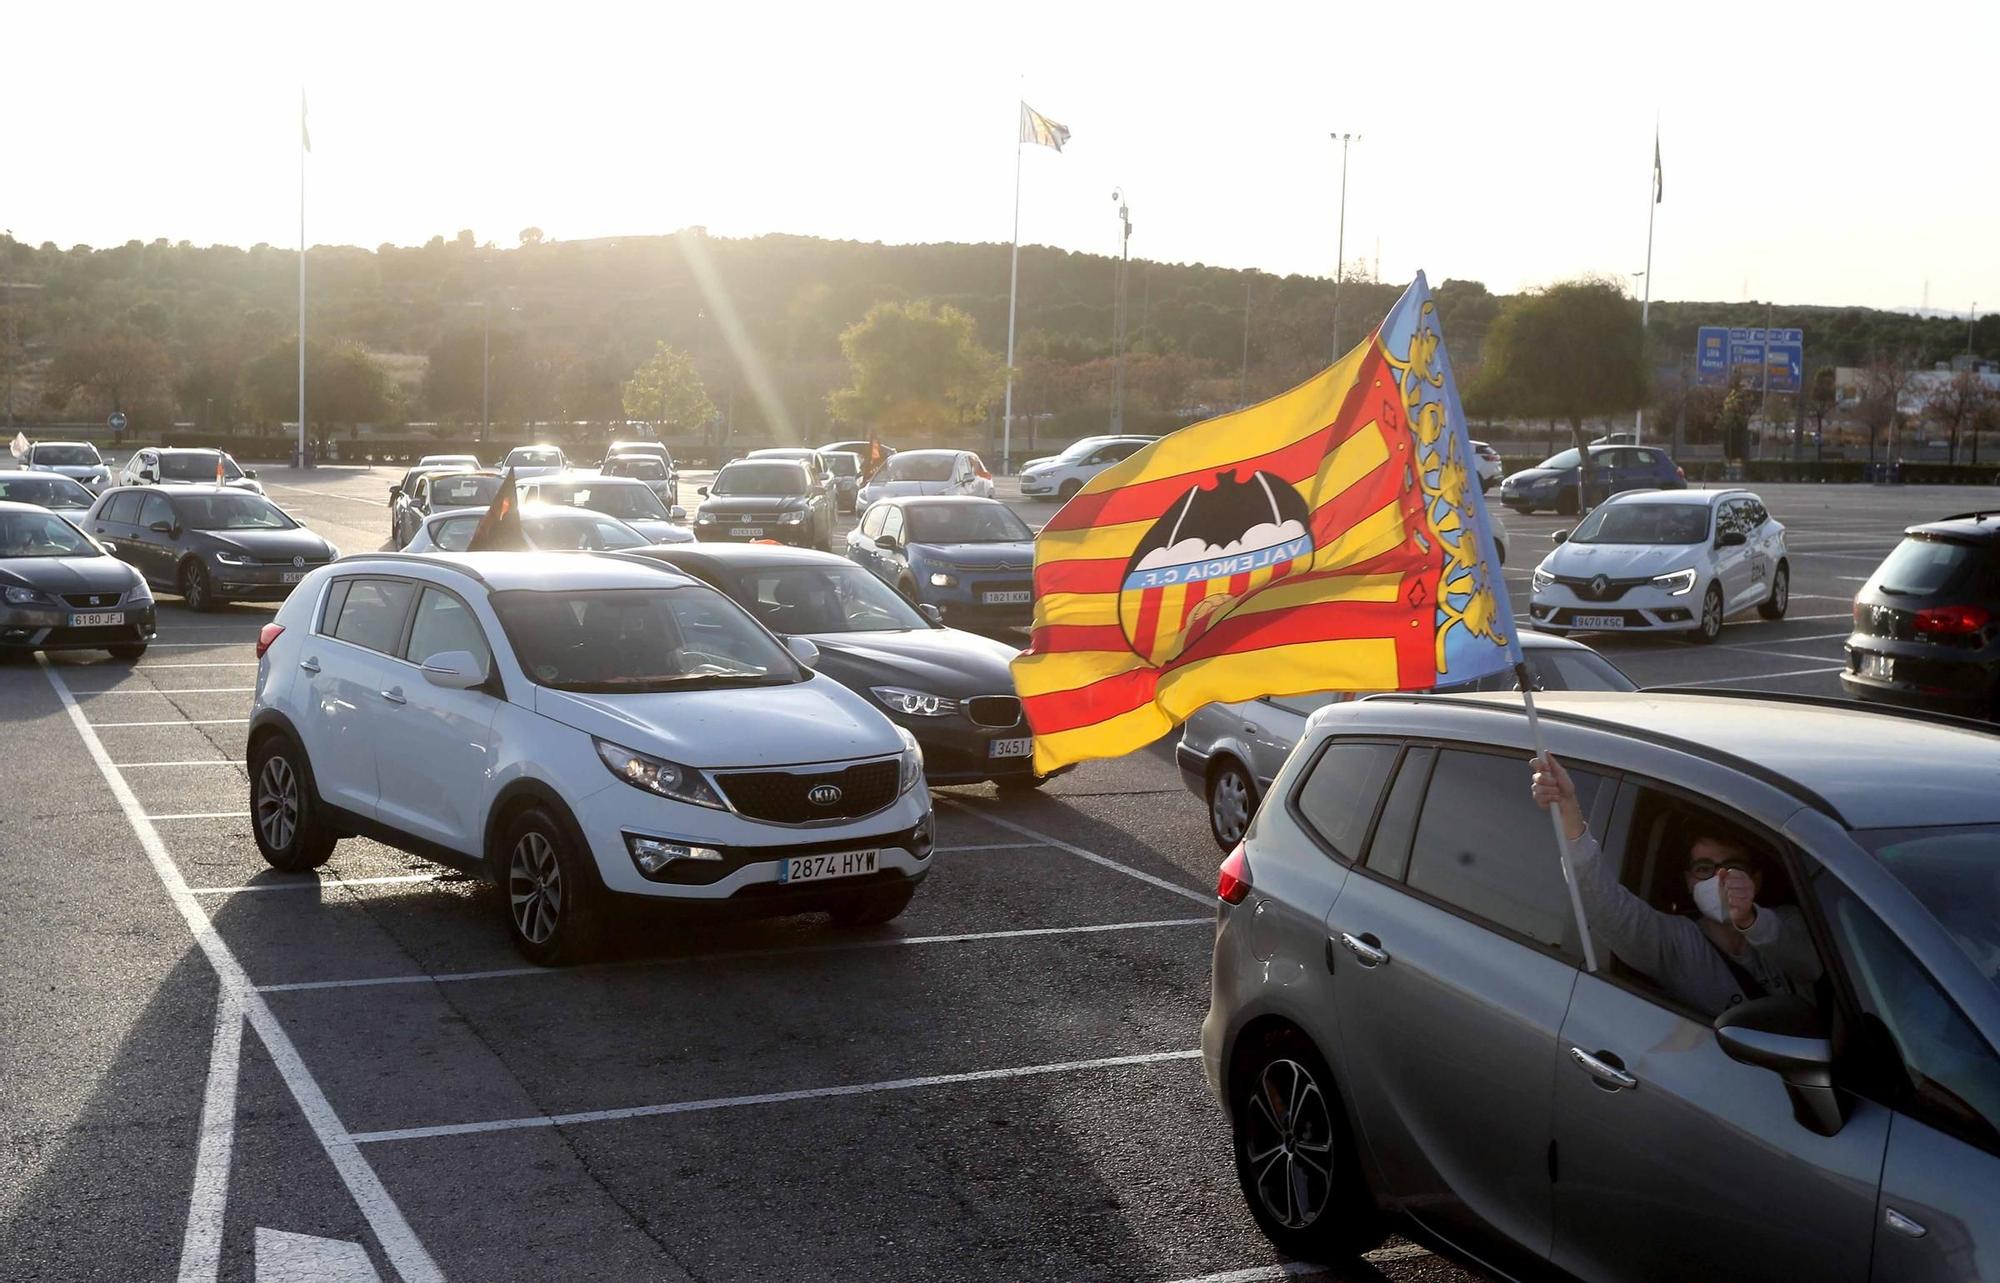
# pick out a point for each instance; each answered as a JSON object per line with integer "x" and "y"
{"x": 298, "y": 561}
{"x": 1598, "y": 586}
{"x": 824, "y": 794}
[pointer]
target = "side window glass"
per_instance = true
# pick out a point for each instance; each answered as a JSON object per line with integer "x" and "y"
{"x": 1389, "y": 850}
{"x": 871, "y": 525}
{"x": 892, "y": 522}
{"x": 372, "y": 613}
{"x": 1336, "y": 800}
{"x": 155, "y": 508}
{"x": 1484, "y": 847}
{"x": 444, "y": 623}
{"x": 1953, "y": 1075}
{"x": 123, "y": 508}
{"x": 330, "y": 609}
{"x": 1758, "y": 516}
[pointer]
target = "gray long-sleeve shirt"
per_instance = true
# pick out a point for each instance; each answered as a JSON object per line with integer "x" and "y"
{"x": 1678, "y": 954}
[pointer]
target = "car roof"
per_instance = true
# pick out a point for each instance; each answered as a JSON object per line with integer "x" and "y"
{"x": 184, "y": 449}
{"x": 918, "y": 454}
{"x": 1983, "y": 526}
{"x": 505, "y": 571}
{"x": 33, "y": 444}
{"x": 1916, "y": 770}
{"x": 743, "y": 554}
{"x": 941, "y": 501}
{"x": 15, "y": 505}
{"x": 800, "y": 464}
{"x": 1703, "y": 498}
{"x": 782, "y": 452}
{"x": 185, "y": 489}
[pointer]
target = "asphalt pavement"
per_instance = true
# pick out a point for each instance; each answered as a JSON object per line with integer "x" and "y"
{"x": 1000, "y": 1084}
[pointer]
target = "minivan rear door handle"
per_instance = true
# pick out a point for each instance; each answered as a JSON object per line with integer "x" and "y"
{"x": 309, "y": 664}
{"x": 1365, "y": 947}
{"x": 1605, "y": 1068}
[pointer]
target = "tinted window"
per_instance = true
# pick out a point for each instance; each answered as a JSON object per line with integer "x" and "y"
{"x": 624, "y": 502}
{"x": 123, "y": 507}
{"x": 49, "y": 490}
{"x": 372, "y": 614}
{"x": 444, "y": 623}
{"x": 199, "y": 466}
{"x": 824, "y": 599}
{"x": 1920, "y": 567}
{"x": 41, "y": 534}
{"x": 231, "y": 511}
{"x": 470, "y": 491}
{"x": 1337, "y": 799}
{"x": 1567, "y": 459}
{"x": 577, "y": 531}
{"x": 843, "y": 464}
{"x": 1576, "y": 670}
{"x": 453, "y": 533}
{"x": 761, "y": 479}
{"x": 1389, "y": 852}
{"x": 639, "y": 639}
{"x": 155, "y": 509}
{"x": 1955, "y": 871}
{"x": 1484, "y": 847}
{"x": 65, "y": 456}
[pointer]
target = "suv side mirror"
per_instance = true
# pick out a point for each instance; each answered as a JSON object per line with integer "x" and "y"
{"x": 1731, "y": 539}
{"x": 1787, "y": 1036}
{"x": 702, "y": 491}
{"x": 453, "y": 670}
{"x": 395, "y": 489}
{"x": 677, "y": 513}
{"x": 888, "y": 543}
{"x": 1560, "y": 536}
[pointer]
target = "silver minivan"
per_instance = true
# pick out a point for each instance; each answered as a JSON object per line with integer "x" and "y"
{"x": 1404, "y": 1033}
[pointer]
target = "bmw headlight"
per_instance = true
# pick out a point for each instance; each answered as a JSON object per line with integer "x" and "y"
{"x": 914, "y": 703}
{"x": 234, "y": 559}
{"x": 1543, "y": 578}
{"x": 939, "y": 579}
{"x": 17, "y": 596}
{"x": 1678, "y": 584}
{"x": 657, "y": 775}
{"x": 911, "y": 772}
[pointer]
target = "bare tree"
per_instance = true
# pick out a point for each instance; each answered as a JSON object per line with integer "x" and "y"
{"x": 1960, "y": 402}
{"x": 1884, "y": 380}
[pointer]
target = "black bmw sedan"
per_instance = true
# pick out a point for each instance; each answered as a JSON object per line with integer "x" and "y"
{"x": 951, "y": 689}
{"x": 210, "y": 544}
{"x": 60, "y": 591}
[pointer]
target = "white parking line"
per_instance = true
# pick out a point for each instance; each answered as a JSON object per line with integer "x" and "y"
{"x": 199, "y": 761}
{"x": 201, "y": 1242}
{"x": 227, "y": 663}
{"x": 735, "y": 955}
{"x": 227, "y": 641}
{"x": 310, "y": 884}
{"x": 399, "y": 1242}
{"x": 176, "y": 721}
{"x": 1092, "y": 856}
{"x": 154, "y": 690}
{"x": 1787, "y": 641}
{"x": 766, "y": 1098}
{"x": 202, "y": 815}
{"x": 1755, "y": 677}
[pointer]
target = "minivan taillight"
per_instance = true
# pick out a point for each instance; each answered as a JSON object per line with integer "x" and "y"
{"x": 266, "y": 635}
{"x": 1232, "y": 882}
{"x": 1952, "y": 621}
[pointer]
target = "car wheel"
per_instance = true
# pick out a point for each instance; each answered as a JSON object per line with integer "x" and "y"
{"x": 549, "y": 898}
{"x": 135, "y": 651}
{"x": 872, "y": 907}
{"x": 1566, "y": 503}
{"x": 1294, "y": 1158}
{"x": 1711, "y": 616}
{"x": 1231, "y": 802}
{"x": 1775, "y": 605}
{"x": 285, "y": 808}
{"x": 1067, "y": 491}
{"x": 196, "y": 590}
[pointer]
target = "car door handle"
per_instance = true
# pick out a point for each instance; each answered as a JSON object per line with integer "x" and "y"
{"x": 394, "y": 695}
{"x": 1365, "y": 947}
{"x": 1604, "y": 1067}
{"x": 1251, "y": 728}
{"x": 309, "y": 664}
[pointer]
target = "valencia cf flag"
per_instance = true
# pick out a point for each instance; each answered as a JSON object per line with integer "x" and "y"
{"x": 876, "y": 455}
{"x": 1332, "y": 538}
{"x": 500, "y": 529}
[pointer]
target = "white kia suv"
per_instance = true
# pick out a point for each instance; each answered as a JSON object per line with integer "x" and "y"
{"x": 586, "y": 730}
{"x": 1664, "y": 561}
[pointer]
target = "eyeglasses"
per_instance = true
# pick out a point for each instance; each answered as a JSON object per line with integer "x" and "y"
{"x": 1703, "y": 870}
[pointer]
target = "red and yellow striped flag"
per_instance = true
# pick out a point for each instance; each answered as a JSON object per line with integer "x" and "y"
{"x": 1331, "y": 538}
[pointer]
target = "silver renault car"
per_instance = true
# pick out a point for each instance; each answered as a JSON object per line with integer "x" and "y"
{"x": 1407, "y": 1032}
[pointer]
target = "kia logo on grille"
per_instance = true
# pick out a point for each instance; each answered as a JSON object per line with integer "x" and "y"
{"x": 1599, "y": 585}
{"x": 824, "y": 794}
{"x": 298, "y": 561}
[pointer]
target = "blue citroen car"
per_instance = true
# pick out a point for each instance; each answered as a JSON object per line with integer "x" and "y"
{"x": 1554, "y": 482}
{"x": 971, "y": 558}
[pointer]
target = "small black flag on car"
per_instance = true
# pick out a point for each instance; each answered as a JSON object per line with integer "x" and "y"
{"x": 500, "y": 529}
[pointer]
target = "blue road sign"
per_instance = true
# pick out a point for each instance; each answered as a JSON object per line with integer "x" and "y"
{"x": 117, "y": 420}
{"x": 1751, "y": 354}
{"x": 1711, "y": 361}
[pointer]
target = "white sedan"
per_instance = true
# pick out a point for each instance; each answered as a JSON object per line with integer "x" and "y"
{"x": 929, "y": 472}
{"x": 1061, "y": 476}
{"x": 1664, "y": 561}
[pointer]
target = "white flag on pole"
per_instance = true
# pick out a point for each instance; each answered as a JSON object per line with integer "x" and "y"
{"x": 19, "y": 447}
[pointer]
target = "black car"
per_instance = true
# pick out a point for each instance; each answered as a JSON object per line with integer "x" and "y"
{"x": 210, "y": 544}
{"x": 60, "y": 591}
{"x": 952, "y": 689}
{"x": 773, "y": 499}
{"x": 1555, "y": 481}
{"x": 49, "y": 490}
{"x": 1927, "y": 622}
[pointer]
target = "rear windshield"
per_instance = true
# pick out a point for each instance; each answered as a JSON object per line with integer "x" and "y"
{"x": 843, "y": 464}
{"x": 1921, "y": 567}
{"x": 623, "y": 502}
{"x": 931, "y": 467}
{"x": 196, "y": 467}
{"x": 49, "y": 491}
{"x": 577, "y": 531}
{"x": 473, "y": 491}
{"x": 66, "y": 456}
{"x": 535, "y": 458}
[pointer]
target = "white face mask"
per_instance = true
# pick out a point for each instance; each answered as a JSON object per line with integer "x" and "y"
{"x": 1708, "y": 898}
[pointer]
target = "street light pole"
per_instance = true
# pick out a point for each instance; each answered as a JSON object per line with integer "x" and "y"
{"x": 1971, "y": 320}
{"x": 485, "y": 370}
{"x": 1118, "y": 312}
{"x": 1340, "y": 247}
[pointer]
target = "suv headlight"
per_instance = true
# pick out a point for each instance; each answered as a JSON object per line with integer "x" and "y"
{"x": 704, "y": 519}
{"x": 1678, "y": 584}
{"x": 234, "y": 559}
{"x": 28, "y": 597}
{"x": 1543, "y": 578}
{"x": 914, "y": 703}
{"x": 911, "y": 772}
{"x": 793, "y": 518}
{"x": 657, "y": 775}
{"x": 939, "y": 579}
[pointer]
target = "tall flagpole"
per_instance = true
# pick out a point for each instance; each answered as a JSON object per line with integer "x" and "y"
{"x": 1646, "y": 296}
{"x": 1013, "y": 296}
{"x": 305, "y": 145}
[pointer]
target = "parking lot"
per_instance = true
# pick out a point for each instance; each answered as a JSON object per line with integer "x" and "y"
{"x": 352, "y": 1075}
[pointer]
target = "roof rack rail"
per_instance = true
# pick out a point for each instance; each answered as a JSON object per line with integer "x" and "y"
{"x": 1834, "y": 702}
{"x": 1721, "y": 757}
{"x": 420, "y": 559}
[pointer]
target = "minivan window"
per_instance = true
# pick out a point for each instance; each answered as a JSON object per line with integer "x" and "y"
{"x": 371, "y": 616}
{"x": 1919, "y": 567}
{"x": 1336, "y": 800}
{"x": 1485, "y": 848}
{"x": 1389, "y": 849}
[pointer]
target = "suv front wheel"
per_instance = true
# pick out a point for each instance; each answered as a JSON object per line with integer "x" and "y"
{"x": 1294, "y": 1158}
{"x": 549, "y": 898}
{"x": 285, "y": 814}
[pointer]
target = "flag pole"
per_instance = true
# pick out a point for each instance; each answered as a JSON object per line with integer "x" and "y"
{"x": 1646, "y": 295}
{"x": 304, "y": 146}
{"x": 1527, "y": 683}
{"x": 1013, "y": 294}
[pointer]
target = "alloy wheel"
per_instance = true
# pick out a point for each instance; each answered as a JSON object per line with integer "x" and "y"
{"x": 1711, "y": 614}
{"x": 1288, "y": 1144}
{"x": 277, "y": 803}
{"x": 1229, "y": 806}
{"x": 534, "y": 888}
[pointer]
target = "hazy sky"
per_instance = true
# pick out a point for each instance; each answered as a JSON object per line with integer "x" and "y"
{"x": 1814, "y": 153}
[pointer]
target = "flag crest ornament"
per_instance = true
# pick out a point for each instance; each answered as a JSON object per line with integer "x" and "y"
{"x": 1331, "y": 538}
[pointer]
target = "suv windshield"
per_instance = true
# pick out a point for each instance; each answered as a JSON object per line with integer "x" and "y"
{"x": 47, "y": 491}
{"x": 41, "y": 534}
{"x": 196, "y": 466}
{"x": 65, "y": 456}
{"x": 925, "y": 467}
{"x": 1920, "y": 567}
{"x": 823, "y": 599}
{"x": 230, "y": 512}
{"x": 640, "y": 639}
{"x": 1955, "y": 872}
{"x": 966, "y": 523}
{"x": 760, "y": 478}
{"x": 1645, "y": 523}
{"x": 626, "y": 503}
